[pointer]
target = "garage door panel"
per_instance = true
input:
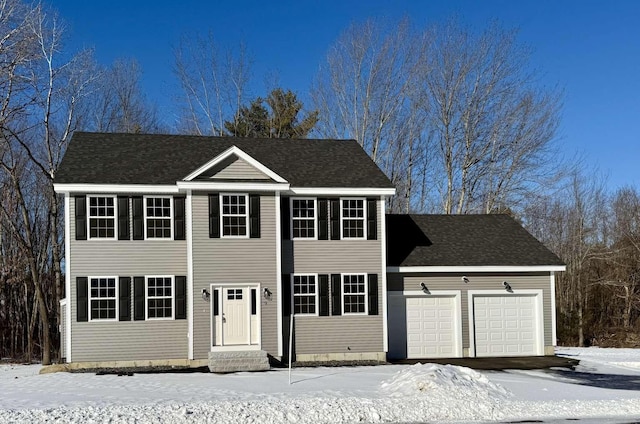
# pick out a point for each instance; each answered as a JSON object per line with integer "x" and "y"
{"x": 431, "y": 330}
{"x": 505, "y": 325}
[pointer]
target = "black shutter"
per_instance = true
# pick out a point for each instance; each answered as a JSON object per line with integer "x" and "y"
{"x": 124, "y": 299}
{"x": 181, "y": 297}
{"x": 285, "y": 218}
{"x": 286, "y": 294}
{"x": 123, "y": 218}
{"x": 81, "y": 217}
{"x": 372, "y": 220}
{"x": 323, "y": 285}
{"x": 323, "y": 219}
{"x": 82, "y": 298}
{"x": 373, "y": 294}
{"x": 179, "y": 223}
{"x": 214, "y": 215}
{"x": 138, "y": 218}
{"x": 138, "y": 298}
{"x": 336, "y": 296}
{"x": 334, "y": 219}
{"x": 254, "y": 216}
{"x": 216, "y": 310}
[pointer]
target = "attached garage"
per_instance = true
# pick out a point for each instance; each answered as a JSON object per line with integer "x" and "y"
{"x": 468, "y": 286}
{"x": 506, "y": 324}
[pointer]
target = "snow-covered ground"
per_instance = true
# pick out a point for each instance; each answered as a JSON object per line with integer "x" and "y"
{"x": 604, "y": 388}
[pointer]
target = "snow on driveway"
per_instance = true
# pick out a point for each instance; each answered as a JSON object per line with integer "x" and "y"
{"x": 605, "y": 386}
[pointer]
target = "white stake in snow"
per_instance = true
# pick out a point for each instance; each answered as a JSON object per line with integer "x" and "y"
{"x": 290, "y": 342}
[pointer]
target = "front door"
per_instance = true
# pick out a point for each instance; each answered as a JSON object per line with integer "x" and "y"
{"x": 234, "y": 316}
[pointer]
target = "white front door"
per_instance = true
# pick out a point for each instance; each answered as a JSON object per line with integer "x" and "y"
{"x": 235, "y": 316}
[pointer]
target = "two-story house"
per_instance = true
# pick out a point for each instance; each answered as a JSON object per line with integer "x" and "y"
{"x": 193, "y": 251}
{"x": 182, "y": 248}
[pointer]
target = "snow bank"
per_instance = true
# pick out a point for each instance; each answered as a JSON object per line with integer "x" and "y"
{"x": 445, "y": 382}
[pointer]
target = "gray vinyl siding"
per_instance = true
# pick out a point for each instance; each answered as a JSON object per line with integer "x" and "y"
{"x": 125, "y": 340}
{"x": 337, "y": 334}
{"x": 239, "y": 170}
{"x": 520, "y": 281}
{"x": 226, "y": 260}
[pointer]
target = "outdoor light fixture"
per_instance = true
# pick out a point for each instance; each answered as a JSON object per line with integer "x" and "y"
{"x": 507, "y": 287}
{"x": 424, "y": 288}
{"x": 205, "y": 294}
{"x": 266, "y": 293}
{"x": 465, "y": 279}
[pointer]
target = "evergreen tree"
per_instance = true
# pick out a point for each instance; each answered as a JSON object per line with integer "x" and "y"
{"x": 273, "y": 117}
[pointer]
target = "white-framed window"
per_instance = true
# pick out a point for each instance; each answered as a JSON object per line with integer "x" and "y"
{"x": 354, "y": 294}
{"x": 102, "y": 217}
{"x": 304, "y": 218}
{"x": 235, "y": 215}
{"x": 158, "y": 217}
{"x": 103, "y": 298}
{"x": 305, "y": 294}
{"x": 160, "y": 297}
{"x": 353, "y": 218}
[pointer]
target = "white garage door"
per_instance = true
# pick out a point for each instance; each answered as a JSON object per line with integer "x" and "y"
{"x": 431, "y": 327}
{"x": 506, "y": 325}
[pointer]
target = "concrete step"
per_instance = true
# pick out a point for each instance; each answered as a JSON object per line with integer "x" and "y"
{"x": 234, "y": 361}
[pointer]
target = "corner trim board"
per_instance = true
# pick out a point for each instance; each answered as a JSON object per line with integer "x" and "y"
{"x": 67, "y": 272}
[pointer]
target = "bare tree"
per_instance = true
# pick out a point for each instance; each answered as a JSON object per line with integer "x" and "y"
{"x": 365, "y": 91}
{"x": 213, "y": 83}
{"x": 118, "y": 103}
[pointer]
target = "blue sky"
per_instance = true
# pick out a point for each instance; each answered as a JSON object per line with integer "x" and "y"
{"x": 589, "y": 48}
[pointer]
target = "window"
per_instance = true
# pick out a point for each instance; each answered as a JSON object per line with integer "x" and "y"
{"x": 159, "y": 297}
{"x": 303, "y": 218}
{"x": 103, "y": 298}
{"x": 158, "y": 217}
{"x": 354, "y": 292}
{"x": 352, "y": 215}
{"x": 102, "y": 217}
{"x": 305, "y": 294}
{"x": 234, "y": 215}
{"x": 234, "y": 294}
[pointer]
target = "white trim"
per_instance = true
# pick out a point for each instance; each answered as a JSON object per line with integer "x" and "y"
{"x": 366, "y": 293}
{"x": 315, "y": 218}
{"x": 279, "y": 272}
{"x": 235, "y": 186}
{"x": 67, "y": 271}
{"x": 234, "y": 150}
{"x": 364, "y": 218}
{"x": 113, "y": 188}
{"x": 115, "y": 298}
{"x": 457, "y": 297}
{"x": 144, "y": 214}
{"x": 489, "y": 268}
{"x": 552, "y": 281}
{"x": 537, "y": 293}
{"x": 190, "y": 299}
{"x": 316, "y": 294}
{"x": 146, "y": 298}
{"x": 246, "y": 215}
{"x": 89, "y": 217}
{"x": 383, "y": 274}
{"x": 343, "y": 191}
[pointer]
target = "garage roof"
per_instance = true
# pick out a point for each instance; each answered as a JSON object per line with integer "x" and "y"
{"x": 463, "y": 240}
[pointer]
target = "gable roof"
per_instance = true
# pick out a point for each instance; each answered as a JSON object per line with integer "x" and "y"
{"x": 106, "y": 158}
{"x": 463, "y": 241}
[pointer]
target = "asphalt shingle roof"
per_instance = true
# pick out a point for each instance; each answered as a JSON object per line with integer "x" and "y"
{"x": 463, "y": 240}
{"x": 107, "y": 158}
